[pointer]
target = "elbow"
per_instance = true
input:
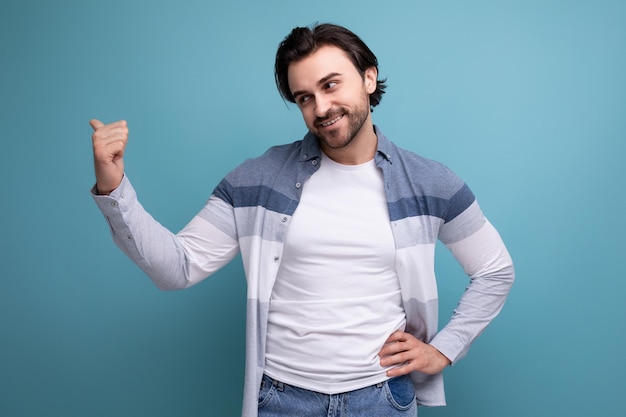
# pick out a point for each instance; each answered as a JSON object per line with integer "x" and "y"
{"x": 508, "y": 275}
{"x": 168, "y": 286}
{"x": 168, "y": 280}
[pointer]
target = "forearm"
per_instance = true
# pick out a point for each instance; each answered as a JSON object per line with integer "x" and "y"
{"x": 172, "y": 261}
{"x": 486, "y": 260}
{"x": 150, "y": 245}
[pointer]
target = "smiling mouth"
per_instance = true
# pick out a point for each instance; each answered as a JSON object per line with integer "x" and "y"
{"x": 331, "y": 121}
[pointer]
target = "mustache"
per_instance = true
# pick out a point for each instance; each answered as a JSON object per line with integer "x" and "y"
{"x": 331, "y": 114}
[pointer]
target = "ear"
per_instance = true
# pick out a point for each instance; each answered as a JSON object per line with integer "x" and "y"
{"x": 369, "y": 77}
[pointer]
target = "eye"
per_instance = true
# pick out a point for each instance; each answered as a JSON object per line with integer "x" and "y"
{"x": 303, "y": 99}
{"x": 331, "y": 85}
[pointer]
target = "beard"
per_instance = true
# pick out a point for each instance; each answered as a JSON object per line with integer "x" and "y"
{"x": 341, "y": 137}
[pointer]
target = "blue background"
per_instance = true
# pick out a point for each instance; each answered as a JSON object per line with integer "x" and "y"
{"x": 526, "y": 100}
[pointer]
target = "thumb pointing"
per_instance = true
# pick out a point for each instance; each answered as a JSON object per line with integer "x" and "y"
{"x": 96, "y": 124}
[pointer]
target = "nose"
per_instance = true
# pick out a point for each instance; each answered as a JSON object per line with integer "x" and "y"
{"x": 322, "y": 105}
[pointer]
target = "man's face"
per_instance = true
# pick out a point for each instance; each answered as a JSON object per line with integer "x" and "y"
{"x": 332, "y": 96}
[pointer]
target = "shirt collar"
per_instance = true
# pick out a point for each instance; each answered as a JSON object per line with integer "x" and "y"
{"x": 383, "y": 149}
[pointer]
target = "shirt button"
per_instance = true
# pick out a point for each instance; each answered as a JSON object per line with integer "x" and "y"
{"x": 314, "y": 162}
{"x": 298, "y": 185}
{"x": 284, "y": 219}
{"x": 276, "y": 258}
{"x": 114, "y": 203}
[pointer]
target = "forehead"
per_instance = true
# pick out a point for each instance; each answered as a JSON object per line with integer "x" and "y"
{"x": 327, "y": 59}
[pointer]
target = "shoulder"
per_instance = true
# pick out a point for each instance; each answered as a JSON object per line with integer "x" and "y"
{"x": 435, "y": 188}
{"x": 405, "y": 162}
{"x": 266, "y": 165}
{"x": 260, "y": 181}
{"x": 433, "y": 176}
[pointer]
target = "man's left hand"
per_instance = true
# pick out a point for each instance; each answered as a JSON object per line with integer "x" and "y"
{"x": 410, "y": 354}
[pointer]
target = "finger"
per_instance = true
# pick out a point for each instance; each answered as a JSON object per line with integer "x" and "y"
{"x": 98, "y": 125}
{"x": 110, "y": 133}
{"x": 399, "y": 371}
{"x": 113, "y": 149}
{"x": 397, "y": 336}
{"x": 391, "y": 360}
{"x": 390, "y": 349}
{"x": 116, "y": 147}
{"x": 396, "y": 342}
{"x": 95, "y": 124}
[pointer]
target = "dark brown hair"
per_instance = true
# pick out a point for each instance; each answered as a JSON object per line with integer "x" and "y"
{"x": 303, "y": 41}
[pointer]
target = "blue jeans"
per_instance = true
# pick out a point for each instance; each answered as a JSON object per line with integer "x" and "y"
{"x": 392, "y": 398}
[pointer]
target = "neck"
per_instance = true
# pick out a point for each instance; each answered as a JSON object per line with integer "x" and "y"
{"x": 359, "y": 151}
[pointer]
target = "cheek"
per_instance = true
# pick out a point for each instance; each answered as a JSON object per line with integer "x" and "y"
{"x": 308, "y": 116}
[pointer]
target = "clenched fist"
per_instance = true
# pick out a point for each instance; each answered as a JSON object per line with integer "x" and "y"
{"x": 109, "y": 143}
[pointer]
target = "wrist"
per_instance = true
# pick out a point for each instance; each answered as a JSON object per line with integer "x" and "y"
{"x": 444, "y": 360}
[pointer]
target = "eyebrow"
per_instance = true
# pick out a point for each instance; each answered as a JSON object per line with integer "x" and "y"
{"x": 322, "y": 80}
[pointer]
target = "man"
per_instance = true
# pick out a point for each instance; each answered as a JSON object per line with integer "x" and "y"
{"x": 337, "y": 233}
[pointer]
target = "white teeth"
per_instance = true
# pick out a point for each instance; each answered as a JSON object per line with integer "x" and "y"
{"x": 330, "y": 122}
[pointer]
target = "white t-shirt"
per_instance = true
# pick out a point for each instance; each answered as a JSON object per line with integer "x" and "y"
{"x": 336, "y": 298}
